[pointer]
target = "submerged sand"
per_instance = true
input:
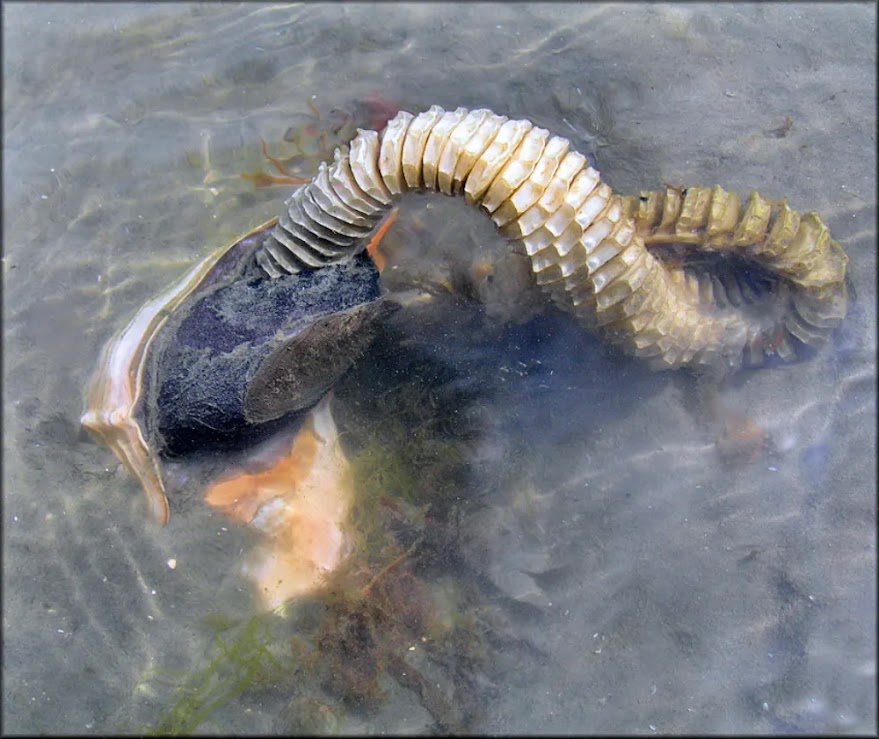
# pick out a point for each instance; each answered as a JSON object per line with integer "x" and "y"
{"x": 655, "y": 586}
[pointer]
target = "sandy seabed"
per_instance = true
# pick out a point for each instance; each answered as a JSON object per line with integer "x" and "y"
{"x": 657, "y": 588}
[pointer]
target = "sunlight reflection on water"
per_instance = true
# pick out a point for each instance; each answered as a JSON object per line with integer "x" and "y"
{"x": 723, "y": 598}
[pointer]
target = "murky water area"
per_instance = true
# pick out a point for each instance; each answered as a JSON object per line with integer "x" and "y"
{"x": 597, "y": 557}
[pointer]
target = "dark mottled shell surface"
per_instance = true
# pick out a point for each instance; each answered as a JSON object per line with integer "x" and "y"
{"x": 226, "y": 356}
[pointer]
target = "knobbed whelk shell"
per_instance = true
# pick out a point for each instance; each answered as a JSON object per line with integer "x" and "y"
{"x": 187, "y": 372}
{"x": 225, "y": 357}
{"x": 114, "y": 392}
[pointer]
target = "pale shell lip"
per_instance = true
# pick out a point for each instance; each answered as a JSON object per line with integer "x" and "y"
{"x": 115, "y": 388}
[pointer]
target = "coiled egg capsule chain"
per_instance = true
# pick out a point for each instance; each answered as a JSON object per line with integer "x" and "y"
{"x": 586, "y": 245}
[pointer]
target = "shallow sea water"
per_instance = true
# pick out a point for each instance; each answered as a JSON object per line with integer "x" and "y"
{"x": 644, "y": 584}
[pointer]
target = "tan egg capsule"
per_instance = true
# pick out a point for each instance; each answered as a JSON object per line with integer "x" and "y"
{"x": 494, "y": 158}
{"x": 552, "y": 199}
{"x": 557, "y": 188}
{"x": 290, "y": 254}
{"x": 751, "y": 229}
{"x": 454, "y": 147}
{"x": 342, "y": 181}
{"x": 294, "y": 241}
{"x": 805, "y": 250}
{"x": 517, "y": 170}
{"x": 724, "y": 212}
{"x": 327, "y": 198}
{"x": 415, "y": 143}
{"x": 530, "y": 191}
{"x": 334, "y": 224}
{"x": 473, "y": 150}
{"x": 364, "y": 159}
{"x": 593, "y": 205}
{"x": 695, "y": 209}
{"x": 671, "y": 210}
{"x": 436, "y": 142}
{"x": 563, "y": 220}
{"x": 390, "y": 161}
{"x": 322, "y": 239}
